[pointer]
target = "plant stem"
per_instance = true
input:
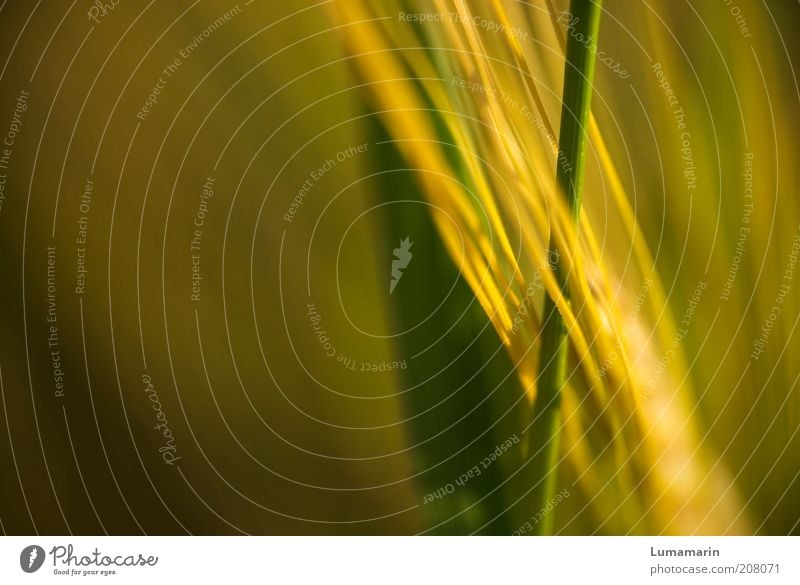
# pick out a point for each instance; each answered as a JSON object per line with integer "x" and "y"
{"x": 578, "y": 77}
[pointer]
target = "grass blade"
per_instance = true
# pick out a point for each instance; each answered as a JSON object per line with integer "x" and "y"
{"x": 578, "y": 76}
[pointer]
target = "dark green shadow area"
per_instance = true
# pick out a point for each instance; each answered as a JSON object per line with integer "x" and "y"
{"x": 461, "y": 393}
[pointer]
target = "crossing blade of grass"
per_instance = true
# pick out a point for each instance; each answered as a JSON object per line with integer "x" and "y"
{"x": 576, "y": 105}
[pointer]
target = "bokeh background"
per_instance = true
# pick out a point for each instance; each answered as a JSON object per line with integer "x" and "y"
{"x": 239, "y": 239}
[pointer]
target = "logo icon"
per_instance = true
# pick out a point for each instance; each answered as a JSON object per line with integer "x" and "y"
{"x": 402, "y": 256}
{"x": 31, "y": 558}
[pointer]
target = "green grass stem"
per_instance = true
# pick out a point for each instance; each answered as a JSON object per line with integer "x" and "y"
{"x": 582, "y": 29}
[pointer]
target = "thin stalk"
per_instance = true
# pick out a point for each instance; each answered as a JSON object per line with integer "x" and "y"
{"x": 582, "y": 32}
